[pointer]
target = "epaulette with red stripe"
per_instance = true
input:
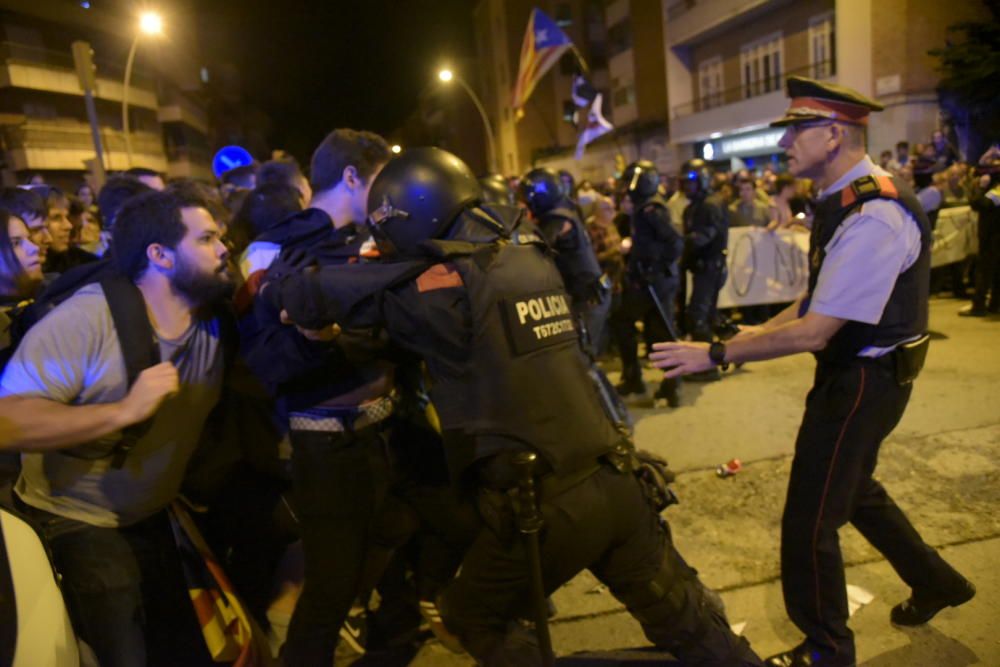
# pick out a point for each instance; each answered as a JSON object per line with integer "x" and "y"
{"x": 867, "y": 188}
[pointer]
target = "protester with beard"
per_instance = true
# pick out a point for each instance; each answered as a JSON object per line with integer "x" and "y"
{"x": 70, "y": 404}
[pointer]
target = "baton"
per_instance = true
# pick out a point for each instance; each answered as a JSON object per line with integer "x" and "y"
{"x": 661, "y": 309}
{"x": 529, "y": 523}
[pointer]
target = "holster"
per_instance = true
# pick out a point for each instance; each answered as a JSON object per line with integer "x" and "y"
{"x": 909, "y": 358}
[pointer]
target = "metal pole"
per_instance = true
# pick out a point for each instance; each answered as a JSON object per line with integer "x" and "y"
{"x": 486, "y": 123}
{"x": 95, "y": 133}
{"x": 127, "y": 82}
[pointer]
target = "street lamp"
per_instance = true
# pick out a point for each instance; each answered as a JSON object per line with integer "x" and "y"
{"x": 150, "y": 23}
{"x": 396, "y": 149}
{"x": 446, "y": 76}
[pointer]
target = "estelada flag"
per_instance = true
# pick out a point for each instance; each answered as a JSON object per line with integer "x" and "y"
{"x": 543, "y": 46}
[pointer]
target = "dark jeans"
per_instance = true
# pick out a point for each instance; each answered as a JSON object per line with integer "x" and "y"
{"x": 606, "y": 525}
{"x": 850, "y": 410}
{"x": 339, "y": 481}
{"x": 125, "y": 590}
{"x": 701, "y": 307}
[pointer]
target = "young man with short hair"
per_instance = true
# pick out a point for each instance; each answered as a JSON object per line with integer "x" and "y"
{"x": 70, "y": 406}
{"x": 337, "y": 472}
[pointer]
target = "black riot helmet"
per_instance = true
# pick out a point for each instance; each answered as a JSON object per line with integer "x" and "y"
{"x": 695, "y": 177}
{"x": 416, "y": 197}
{"x": 641, "y": 180}
{"x": 568, "y": 183}
{"x": 541, "y": 190}
{"x": 496, "y": 190}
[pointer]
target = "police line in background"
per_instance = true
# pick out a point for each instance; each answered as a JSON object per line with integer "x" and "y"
{"x": 773, "y": 267}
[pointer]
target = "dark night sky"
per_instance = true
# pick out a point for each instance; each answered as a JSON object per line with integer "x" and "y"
{"x": 316, "y": 65}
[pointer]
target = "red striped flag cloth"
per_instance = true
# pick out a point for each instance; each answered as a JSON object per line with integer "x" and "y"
{"x": 543, "y": 46}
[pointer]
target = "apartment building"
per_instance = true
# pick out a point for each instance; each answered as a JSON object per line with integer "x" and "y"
{"x": 621, "y": 40}
{"x": 44, "y": 126}
{"x": 727, "y": 61}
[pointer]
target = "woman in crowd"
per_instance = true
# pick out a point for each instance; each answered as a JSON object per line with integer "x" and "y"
{"x": 20, "y": 277}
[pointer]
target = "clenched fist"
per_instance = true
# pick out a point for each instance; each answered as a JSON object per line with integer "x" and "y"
{"x": 153, "y": 386}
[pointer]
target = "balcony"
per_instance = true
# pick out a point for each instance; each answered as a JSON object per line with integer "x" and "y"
{"x": 178, "y": 108}
{"x": 23, "y": 66}
{"x": 65, "y": 146}
{"x": 741, "y": 107}
{"x": 691, "y": 21}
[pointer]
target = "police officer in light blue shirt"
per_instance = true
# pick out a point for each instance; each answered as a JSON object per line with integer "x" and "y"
{"x": 864, "y": 317}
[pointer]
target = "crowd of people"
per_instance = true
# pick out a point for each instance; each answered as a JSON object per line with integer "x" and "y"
{"x": 155, "y": 352}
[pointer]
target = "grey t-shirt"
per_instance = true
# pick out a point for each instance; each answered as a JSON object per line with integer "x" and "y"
{"x": 73, "y": 356}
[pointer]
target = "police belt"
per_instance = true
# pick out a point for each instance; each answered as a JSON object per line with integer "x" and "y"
{"x": 499, "y": 474}
{"x": 905, "y": 361}
{"x": 342, "y": 419}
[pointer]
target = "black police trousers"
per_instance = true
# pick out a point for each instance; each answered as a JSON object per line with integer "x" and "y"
{"x": 637, "y": 304}
{"x": 606, "y": 525}
{"x": 701, "y": 308}
{"x": 849, "y": 412}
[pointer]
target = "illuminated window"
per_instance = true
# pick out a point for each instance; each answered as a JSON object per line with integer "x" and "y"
{"x": 710, "y": 83}
{"x": 822, "y": 46}
{"x": 761, "y": 66}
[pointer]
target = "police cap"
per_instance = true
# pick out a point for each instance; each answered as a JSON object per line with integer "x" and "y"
{"x": 815, "y": 100}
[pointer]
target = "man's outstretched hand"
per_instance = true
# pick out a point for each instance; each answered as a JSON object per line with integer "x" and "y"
{"x": 677, "y": 359}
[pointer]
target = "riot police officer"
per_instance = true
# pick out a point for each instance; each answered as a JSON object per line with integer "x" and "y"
{"x": 706, "y": 235}
{"x": 496, "y": 190}
{"x": 652, "y": 278}
{"x": 561, "y": 227}
{"x": 475, "y": 294}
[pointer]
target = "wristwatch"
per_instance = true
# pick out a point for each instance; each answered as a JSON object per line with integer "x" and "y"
{"x": 717, "y": 353}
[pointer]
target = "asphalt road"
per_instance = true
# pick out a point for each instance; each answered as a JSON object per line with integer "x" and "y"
{"x": 942, "y": 465}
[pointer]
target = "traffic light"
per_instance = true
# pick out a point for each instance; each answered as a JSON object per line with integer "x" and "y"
{"x": 86, "y": 72}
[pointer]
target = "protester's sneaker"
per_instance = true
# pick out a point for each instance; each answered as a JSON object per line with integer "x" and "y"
{"x": 354, "y": 632}
{"x": 919, "y": 609}
{"x": 432, "y": 617}
{"x": 805, "y": 656}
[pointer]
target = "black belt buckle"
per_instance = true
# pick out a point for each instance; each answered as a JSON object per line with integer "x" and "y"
{"x": 909, "y": 359}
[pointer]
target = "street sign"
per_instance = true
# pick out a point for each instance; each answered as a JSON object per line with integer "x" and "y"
{"x": 230, "y": 157}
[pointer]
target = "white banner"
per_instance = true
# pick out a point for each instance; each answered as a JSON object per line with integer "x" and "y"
{"x": 773, "y": 267}
{"x": 765, "y": 267}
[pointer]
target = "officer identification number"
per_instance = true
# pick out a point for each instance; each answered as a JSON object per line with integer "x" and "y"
{"x": 538, "y": 320}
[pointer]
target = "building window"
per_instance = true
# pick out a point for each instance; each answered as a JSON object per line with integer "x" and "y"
{"x": 760, "y": 66}
{"x": 564, "y": 15}
{"x": 619, "y": 37}
{"x": 710, "y": 83}
{"x": 624, "y": 96}
{"x": 822, "y": 47}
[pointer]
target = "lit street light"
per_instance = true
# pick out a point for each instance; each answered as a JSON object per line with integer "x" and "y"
{"x": 446, "y": 76}
{"x": 150, "y": 23}
{"x": 397, "y": 149}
